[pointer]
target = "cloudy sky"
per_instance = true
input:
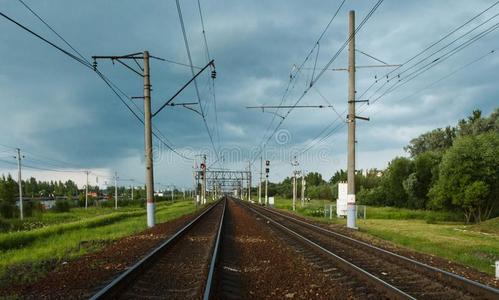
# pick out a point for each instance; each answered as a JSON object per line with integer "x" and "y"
{"x": 64, "y": 117}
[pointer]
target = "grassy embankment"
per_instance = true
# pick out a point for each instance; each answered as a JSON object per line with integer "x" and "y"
{"x": 72, "y": 234}
{"x": 438, "y": 233}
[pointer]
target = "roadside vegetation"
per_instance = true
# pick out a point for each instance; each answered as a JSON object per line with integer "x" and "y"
{"x": 453, "y": 170}
{"x": 443, "y": 199}
{"x": 75, "y": 233}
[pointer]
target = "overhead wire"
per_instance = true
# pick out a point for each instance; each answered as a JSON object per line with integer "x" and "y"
{"x": 182, "y": 25}
{"x": 423, "y": 69}
{"x": 292, "y": 82}
{"x": 430, "y": 46}
{"x": 362, "y": 23}
{"x": 87, "y": 63}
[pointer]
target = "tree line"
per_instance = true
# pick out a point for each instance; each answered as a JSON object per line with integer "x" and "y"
{"x": 454, "y": 168}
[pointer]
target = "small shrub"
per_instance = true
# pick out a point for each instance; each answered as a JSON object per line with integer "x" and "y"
{"x": 62, "y": 206}
{"x": 6, "y": 210}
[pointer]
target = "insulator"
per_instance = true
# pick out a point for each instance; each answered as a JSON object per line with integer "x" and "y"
{"x": 213, "y": 74}
{"x": 94, "y": 65}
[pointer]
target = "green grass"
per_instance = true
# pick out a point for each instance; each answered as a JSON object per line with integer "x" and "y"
{"x": 69, "y": 240}
{"x": 436, "y": 233}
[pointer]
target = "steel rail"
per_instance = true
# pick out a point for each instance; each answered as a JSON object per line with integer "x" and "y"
{"x": 391, "y": 291}
{"x": 111, "y": 288}
{"x": 214, "y": 257}
{"x": 476, "y": 287}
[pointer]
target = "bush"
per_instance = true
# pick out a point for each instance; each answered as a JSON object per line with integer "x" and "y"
{"x": 6, "y": 209}
{"x": 62, "y": 206}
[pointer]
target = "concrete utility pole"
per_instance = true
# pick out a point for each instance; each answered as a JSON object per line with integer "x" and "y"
{"x": 173, "y": 190}
{"x": 267, "y": 170}
{"x": 19, "y": 183}
{"x": 351, "y": 209}
{"x": 294, "y": 190}
{"x": 260, "y": 183}
{"x": 303, "y": 183}
{"x": 148, "y": 143}
{"x": 203, "y": 191}
{"x": 132, "y": 187}
{"x": 249, "y": 181}
{"x": 86, "y": 192}
{"x": 115, "y": 190}
{"x": 295, "y": 173}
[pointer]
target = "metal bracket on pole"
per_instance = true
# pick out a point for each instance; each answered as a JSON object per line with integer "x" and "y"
{"x": 360, "y": 101}
{"x": 362, "y": 118}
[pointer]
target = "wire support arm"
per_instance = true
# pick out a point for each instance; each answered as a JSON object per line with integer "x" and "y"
{"x": 211, "y": 63}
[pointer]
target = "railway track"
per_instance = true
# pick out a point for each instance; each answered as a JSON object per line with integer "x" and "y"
{"x": 182, "y": 267}
{"x": 391, "y": 275}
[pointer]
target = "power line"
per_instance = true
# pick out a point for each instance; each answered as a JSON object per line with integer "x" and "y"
{"x": 292, "y": 81}
{"x": 208, "y": 58}
{"x": 182, "y": 25}
{"x": 46, "y": 41}
{"x": 316, "y": 141}
{"x": 436, "y": 61}
{"x": 363, "y": 22}
{"x": 85, "y": 62}
{"x": 431, "y": 46}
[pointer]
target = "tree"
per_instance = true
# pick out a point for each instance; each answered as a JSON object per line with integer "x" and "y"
{"x": 418, "y": 183}
{"x": 437, "y": 140}
{"x": 476, "y": 125}
{"x": 469, "y": 177}
{"x": 314, "y": 179}
{"x": 398, "y": 170}
{"x": 8, "y": 190}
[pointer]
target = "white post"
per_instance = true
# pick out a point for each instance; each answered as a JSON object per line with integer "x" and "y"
{"x": 294, "y": 190}
{"x": 19, "y": 183}
{"x": 86, "y": 192}
{"x": 115, "y": 190}
{"x": 260, "y": 183}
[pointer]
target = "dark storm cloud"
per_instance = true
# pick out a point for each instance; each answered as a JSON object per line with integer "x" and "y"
{"x": 56, "y": 107}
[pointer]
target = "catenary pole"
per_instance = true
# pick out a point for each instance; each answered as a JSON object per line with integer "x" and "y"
{"x": 249, "y": 181}
{"x": 115, "y": 190}
{"x": 351, "y": 209}
{"x": 148, "y": 143}
{"x": 19, "y": 183}
{"x": 260, "y": 182}
{"x": 86, "y": 191}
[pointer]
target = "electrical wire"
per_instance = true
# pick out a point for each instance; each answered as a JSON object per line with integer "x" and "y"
{"x": 208, "y": 58}
{"x": 292, "y": 82}
{"x": 359, "y": 27}
{"x": 85, "y": 62}
{"x": 182, "y": 25}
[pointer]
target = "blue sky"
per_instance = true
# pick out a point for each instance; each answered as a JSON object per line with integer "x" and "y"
{"x": 64, "y": 117}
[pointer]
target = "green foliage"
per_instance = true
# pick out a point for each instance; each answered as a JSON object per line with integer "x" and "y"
{"x": 62, "y": 206}
{"x": 64, "y": 241}
{"x": 419, "y": 182}
{"x": 469, "y": 177}
{"x": 436, "y": 140}
{"x": 314, "y": 179}
{"x": 398, "y": 170}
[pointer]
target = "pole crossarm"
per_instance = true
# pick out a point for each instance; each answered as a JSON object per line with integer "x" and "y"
{"x": 211, "y": 63}
{"x": 263, "y": 107}
{"x": 358, "y": 67}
